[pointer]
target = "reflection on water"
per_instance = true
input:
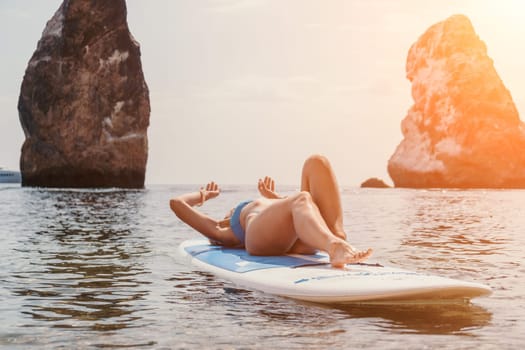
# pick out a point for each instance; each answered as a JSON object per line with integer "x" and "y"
{"x": 457, "y": 318}
{"x": 449, "y": 229}
{"x": 240, "y": 315}
{"x": 204, "y": 291}
{"x": 84, "y": 269}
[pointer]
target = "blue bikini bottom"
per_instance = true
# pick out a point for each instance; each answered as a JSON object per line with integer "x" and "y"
{"x": 235, "y": 222}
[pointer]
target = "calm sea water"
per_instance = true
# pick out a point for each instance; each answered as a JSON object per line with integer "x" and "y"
{"x": 88, "y": 269}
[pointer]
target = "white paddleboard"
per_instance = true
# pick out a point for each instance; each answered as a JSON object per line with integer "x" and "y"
{"x": 311, "y": 277}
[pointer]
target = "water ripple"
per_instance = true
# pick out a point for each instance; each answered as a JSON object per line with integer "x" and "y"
{"x": 82, "y": 267}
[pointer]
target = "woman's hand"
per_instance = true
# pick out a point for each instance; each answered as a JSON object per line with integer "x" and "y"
{"x": 267, "y": 188}
{"x": 211, "y": 190}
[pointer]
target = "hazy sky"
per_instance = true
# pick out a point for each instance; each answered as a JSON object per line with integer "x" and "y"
{"x": 240, "y": 89}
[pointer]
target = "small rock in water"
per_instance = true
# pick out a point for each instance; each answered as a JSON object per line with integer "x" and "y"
{"x": 374, "y": 182}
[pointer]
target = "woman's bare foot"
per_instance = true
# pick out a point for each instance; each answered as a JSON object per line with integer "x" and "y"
{"x": 342, "y": 253}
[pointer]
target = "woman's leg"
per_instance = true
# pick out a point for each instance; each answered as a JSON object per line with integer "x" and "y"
{"x": 276, "y": 229}
{"x": 319, "y": 179}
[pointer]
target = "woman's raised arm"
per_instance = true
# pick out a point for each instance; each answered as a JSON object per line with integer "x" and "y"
{"x": 266, "y": 188}
{"x": 183, "y": 205}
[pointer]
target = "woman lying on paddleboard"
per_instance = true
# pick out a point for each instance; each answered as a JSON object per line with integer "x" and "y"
{"x": 273, "y": 225}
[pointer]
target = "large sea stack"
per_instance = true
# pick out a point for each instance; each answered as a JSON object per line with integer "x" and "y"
{"x": 84, "y": 104}
{"x": 463, "y": 130}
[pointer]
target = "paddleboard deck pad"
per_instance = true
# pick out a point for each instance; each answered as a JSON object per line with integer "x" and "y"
{"x": 311, "y": 277}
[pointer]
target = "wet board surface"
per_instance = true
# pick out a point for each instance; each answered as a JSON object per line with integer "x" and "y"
{"x": 311, "y": 277}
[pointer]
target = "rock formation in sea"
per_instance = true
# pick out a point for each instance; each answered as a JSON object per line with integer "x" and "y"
{"x": 463, "y": 130}
{"x": 374, "y": 182}
{"x": 84, "y": 104}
